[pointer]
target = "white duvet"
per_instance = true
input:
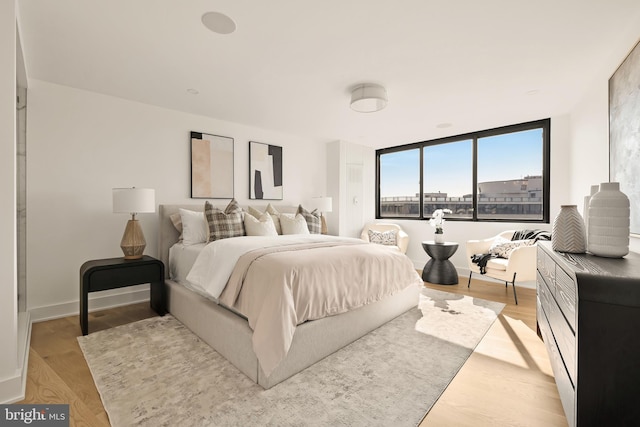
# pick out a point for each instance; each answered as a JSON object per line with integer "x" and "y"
{"x": 213, "y": 267}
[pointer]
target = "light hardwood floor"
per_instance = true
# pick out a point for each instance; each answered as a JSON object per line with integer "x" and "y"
{"x": 507, "y": 381}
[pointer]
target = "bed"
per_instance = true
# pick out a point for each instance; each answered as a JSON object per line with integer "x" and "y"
{"x": 229, "y": 333}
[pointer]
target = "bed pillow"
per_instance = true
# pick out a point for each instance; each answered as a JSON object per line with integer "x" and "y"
{"x": 502, "y": 248}
{"x": 194, "y": 227}
{"x": 177, "y": 223}
{"x": 275, "y": 216}
{"x": 387, "y": 238}
{"x": 223, "y": 225}
{"x": 261, "y": 226}
{"x": 293, "y": 224}
{"x": 312, "y": 218}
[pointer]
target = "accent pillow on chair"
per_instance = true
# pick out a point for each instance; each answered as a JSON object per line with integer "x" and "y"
{"x": 401, "y": 238}
{"x": 387, "y": 238}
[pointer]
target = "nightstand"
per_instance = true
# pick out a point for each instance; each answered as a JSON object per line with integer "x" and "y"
{"x": 112, "y": 273}
{"x": 439, "y": 269}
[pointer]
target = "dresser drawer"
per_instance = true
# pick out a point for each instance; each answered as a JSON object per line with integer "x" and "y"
{"x": 540, "y": 259}
{"x": 565, "y": 386}
{"x": 544, "y": 294}
{"x": 546, "y": 267}
{"x": 566, "y": 296}
{"x": 564, "y": 336}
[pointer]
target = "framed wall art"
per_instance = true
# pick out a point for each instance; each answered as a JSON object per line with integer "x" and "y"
{"x": 211, "y": 166}
{"x": 624, "y": 132}
{"x": 265, "y": 171}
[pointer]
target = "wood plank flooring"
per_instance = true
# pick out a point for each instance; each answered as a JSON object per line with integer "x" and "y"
{"x": 507, "y": 381}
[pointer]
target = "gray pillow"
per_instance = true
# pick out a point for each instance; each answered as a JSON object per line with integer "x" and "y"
{"x": 312, "y": 218}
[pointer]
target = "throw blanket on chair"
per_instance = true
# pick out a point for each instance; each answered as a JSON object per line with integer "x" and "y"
{"x": 481, "y": 260}
{"x": 531, "y": 234}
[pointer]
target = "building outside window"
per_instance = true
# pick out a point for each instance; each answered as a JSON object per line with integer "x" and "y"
{"x": 493, "y": 175}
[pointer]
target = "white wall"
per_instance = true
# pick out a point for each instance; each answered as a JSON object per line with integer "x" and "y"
{"x": 82, "y": 144}
{"x": 9, "y": 364}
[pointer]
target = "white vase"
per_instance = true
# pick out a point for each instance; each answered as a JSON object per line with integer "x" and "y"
{"x": 608, "y": 223}
{"x": 438, "y": 237}
{"x": 568, "y": 232}
{"x": 585, "y": 210}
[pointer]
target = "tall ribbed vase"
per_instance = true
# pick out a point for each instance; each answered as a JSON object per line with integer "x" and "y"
{"x": 568, "y": 233}
{"x": 609, "y": 222}
{"x": 585, "y": 210}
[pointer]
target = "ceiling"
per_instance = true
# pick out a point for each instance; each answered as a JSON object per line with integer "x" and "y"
{"x": 449, "y": 67}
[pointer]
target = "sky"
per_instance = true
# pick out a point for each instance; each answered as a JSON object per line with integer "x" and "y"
{"x": 448, "y": 167}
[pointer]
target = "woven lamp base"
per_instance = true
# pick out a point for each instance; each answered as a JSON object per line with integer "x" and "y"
{"x": 133, "y": 242}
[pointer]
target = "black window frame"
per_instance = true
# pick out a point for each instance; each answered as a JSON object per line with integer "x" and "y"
{"x": 544, "y": 124}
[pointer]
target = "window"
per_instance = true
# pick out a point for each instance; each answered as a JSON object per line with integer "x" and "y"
{"x": 493, "y": 175}
{"x": 448, "y": 178}
{"x": 399, "y": 183}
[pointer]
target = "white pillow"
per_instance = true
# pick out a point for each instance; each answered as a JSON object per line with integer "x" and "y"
{"x": 194, "y": 227}
{"x": 262, "y": 226}
{"x": 275, "y": 216}
{"x": 293, "y": 224}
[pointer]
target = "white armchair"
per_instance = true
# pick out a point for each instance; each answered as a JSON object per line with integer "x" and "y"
{"x": 520, "y": 266}
{"x": 402, "y": 238}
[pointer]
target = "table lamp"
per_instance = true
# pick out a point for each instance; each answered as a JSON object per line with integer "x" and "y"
{"x": 324, "y": 205}
{"x": 133, "y": 201}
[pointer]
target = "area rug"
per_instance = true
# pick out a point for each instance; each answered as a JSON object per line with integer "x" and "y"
{"x": 156, "y": 372}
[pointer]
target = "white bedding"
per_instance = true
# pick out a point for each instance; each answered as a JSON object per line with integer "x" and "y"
{"x": 181, "y": 259}
{"x": 216, "y": 261}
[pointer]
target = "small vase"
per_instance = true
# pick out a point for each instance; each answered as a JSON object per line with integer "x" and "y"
{"x": 609, "y": 222}
{"x": 438, "y": 238}
{"x": 568, "y": 232}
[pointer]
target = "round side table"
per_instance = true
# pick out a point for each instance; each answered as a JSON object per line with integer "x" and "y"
{"x": 439, "y": 269}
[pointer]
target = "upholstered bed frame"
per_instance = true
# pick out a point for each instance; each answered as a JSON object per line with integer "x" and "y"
{"x": 230, "y": 335}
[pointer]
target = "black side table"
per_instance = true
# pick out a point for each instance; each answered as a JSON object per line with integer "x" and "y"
{"x": 439, "y": 269}
{"x": 112, "y": 273}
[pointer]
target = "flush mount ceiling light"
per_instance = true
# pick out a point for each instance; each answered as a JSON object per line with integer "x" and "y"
{"x": 218, "y": 23}
{"x": 368, "y": 98}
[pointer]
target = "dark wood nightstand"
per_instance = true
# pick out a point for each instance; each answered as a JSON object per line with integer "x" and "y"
{"x": 111, "y": 273}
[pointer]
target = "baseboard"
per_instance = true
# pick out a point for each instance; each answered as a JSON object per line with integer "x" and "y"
{"x": 96, "y": 302}
{"x": 12, "y": 389}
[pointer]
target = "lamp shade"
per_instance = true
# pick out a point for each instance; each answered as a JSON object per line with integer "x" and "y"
{"x": 368, "y": 98}
{"x": 134, "y": 200}
{"x": 323, "y": 204}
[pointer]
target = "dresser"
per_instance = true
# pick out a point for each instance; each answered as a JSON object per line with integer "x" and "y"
{"x": 588, "y": 312}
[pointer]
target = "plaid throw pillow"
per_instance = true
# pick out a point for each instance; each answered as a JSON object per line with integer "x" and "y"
{"x": 312, "y": 218}
{"x": 225, "y": 224}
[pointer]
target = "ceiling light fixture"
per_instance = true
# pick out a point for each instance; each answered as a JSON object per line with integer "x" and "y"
{"x": 193, "y": 91}
{"x": 368, "y": 98}
{"x": 218, "y": 23}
